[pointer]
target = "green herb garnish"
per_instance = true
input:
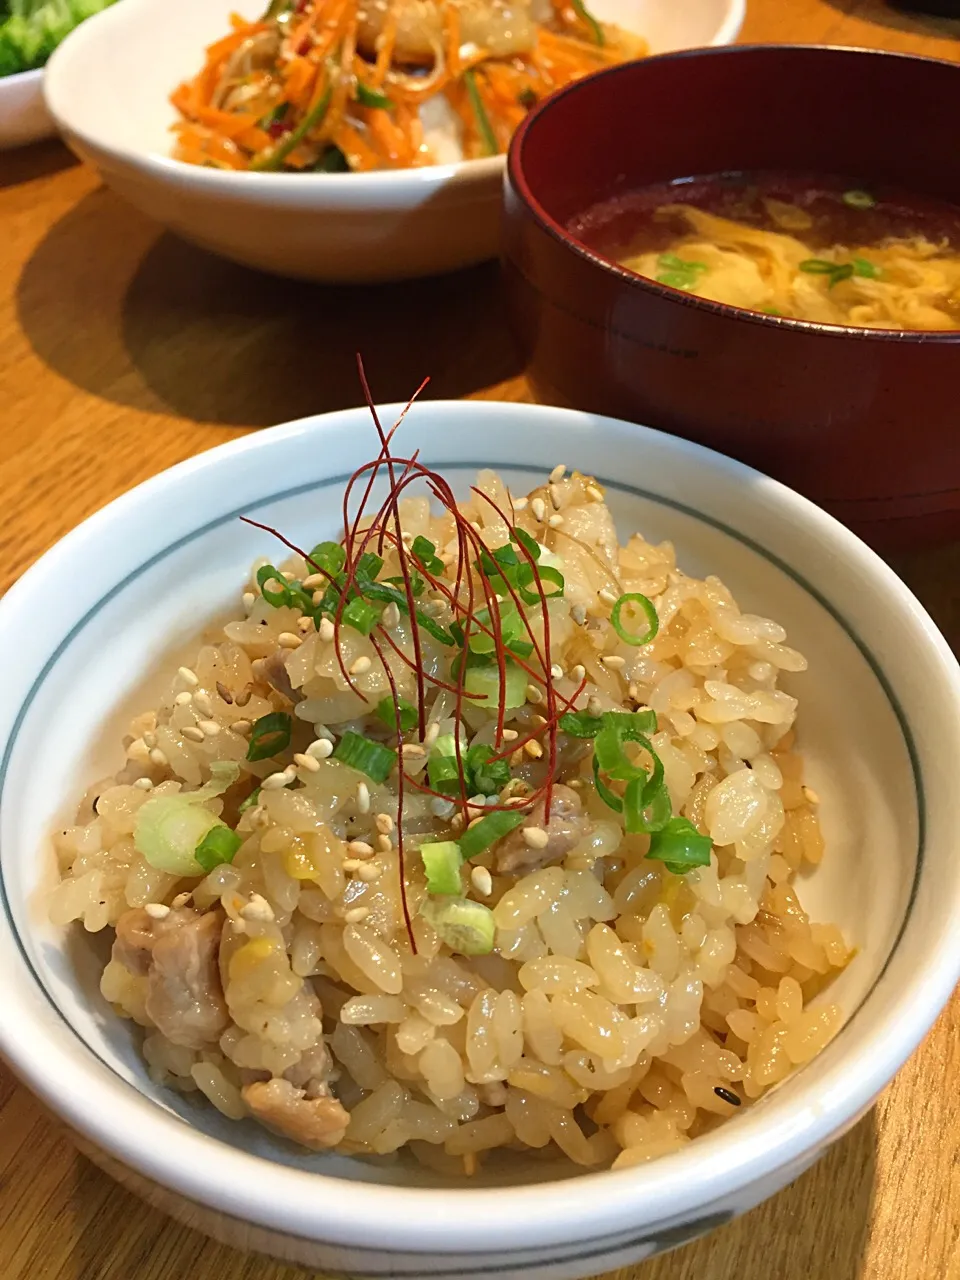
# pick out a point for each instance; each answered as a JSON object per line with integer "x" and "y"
{"x": 490, "y": 828}
{"x": 866, "y": 269}
{"x": 273, "y": 160}
{"x": 837, "y": 271}
{"x": 596, "y": 31}
{"x": 365, "y": 755}
{"x": 488, "y": 139}
{"x": 678, "y": 272}
{"x": 680, "y": 846}
{"x": 332, "y": 160}
{"x": 219, "y": 845}
{"x": 649, "y": 612}
{"x": 368, "y": 97}
{"x": 269, "y": 736}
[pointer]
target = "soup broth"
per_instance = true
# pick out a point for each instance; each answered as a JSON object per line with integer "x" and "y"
{"x": 803, "y": 246}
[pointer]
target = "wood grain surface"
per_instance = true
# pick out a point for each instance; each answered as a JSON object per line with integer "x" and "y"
{"x": 123, "y": 350}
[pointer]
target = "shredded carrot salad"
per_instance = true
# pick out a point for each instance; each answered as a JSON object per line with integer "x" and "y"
{"x": 337, "y": 85}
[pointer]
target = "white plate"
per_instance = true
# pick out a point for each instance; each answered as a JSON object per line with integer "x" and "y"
{"x": 108, "y": 88}
{"x": 23, "y": 113}
{"x": 880, "y": 726}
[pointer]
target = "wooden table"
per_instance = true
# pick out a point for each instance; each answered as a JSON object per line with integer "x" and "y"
{"x": 123, "y": 350}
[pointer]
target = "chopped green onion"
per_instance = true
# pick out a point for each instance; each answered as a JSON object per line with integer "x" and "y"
{"x": 388, "y": 711}
{"x": 649, "y": 612}
{"x": 466, "y": 927}
{"x": 483, "y": 684}
{"x": 219, "y": 845}
{"x": 168, "y": 829}
{"x": 818, "y": 267}
{"x": 368, "y": 566}
{"x": 580, "y": 9}
{"x": 252, "y": 799}
{"x": 578, "y": 724}
{"x": 859, "y": 199}
{"x": 274, "y": 597}
{"x": 272, "y": 160}
{"x": 361, "y": 616}
{"x": 485, "y": 775}
{"x": 843, "y": 272}
{"x": 488, "y": 138}
{"x": 609, "y": 798}
{"x": 680, "y": 846}
{"x": 328, "y": 556}
{"x": 442, "y": 862}
{"x": 365, "y": 755}
{"x": 368, "y": 97}
{"x": 866, "y": 269}
{"x": 443, "y": 774}
{"x": 269, "y": 736}
{"x": 275, "y": 116}
{"x": 677, "y": 272}
{"x": 332, "y": 160}
{"x": 646, "y": 803}
{"x": 527, "y": 541}
{"x": 490, "y": 828}
{"x": 771, "y": 311}
{"x": 511, "y": 627}
{"x": 426, "y": 553}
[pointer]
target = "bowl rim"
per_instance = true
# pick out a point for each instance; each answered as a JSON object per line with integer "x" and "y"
{"x": 517, "y": 178}
{"x": 586, "y": 1208}
{"x": 20, "y": 78}
{"x": 373, "y": 185}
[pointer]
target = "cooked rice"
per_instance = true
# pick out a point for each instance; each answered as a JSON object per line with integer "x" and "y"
{"x": 619, "y": 997}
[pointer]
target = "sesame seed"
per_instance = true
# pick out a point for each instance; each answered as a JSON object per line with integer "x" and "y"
{"x": 406, "y": 536}
{"x": 326, "y": 630}
{"x": 181, "y": 900}
{"x": 360, "y": 666}
{"x": 384, "y": 823}
{"x": 594, "y": 493}
{"x": 209, "y": 728}
{"x": 607, "y": 596}
{"x": 144, "y": 784}
{"x": 320, "y": 748}
{"x": 360, "y": 848}
{"x": 413, "y": 749}
{"x": 303, "y": 761}
{"x": 432, "y": 733}
{"x": 614, "y": 661}
{"x": 555, "y": 521}
{"x": 520, "y": 504}
{"x": 391, "y": 615}
{"x": 183, "y": 699}
{"x": 149, "y": 739}
{"x": 258, "y": 908}
{"x": 203, "y": 704}
{"x": 533, "y": 749}
{"x": 554, "y": 493}
{"x": 315, "y": 580}
{"x": 535, "y": 837}
{"x": 356, "y": 914}
{"x": 192, "y": 732}
{"x": 287, "y": 640}
{"x": 249, "y": 599}
{"x": 305, "y": 624}
{"x": 539, "y": 719}
{"x": 276, "y": 781}
{"x": 533, "y": 694}
{"x": 384, "y": 843}
{"x": 557, "y": 672}
{"x": 482, "y": 881}
{"x": 224, "y": 693}
{"x": 578, "y": 613}
{"x": 288, "y": 576}
{"x": 811, "y": 795}
{"x": 594, "y": 705}
{"x": 368, "y": 872}
{"x": 158, "y": 758}
{"x": 242, "y": 727}
{"x": 538, "y": 508}
{"x": 441, "y": 808}
{"x": 243, "y": 697}
{"x": 157, "y": 910}
{"x": 363, "y": 797}
{"x": 476, "y": 526}
{"x": 257, "y": 816}
{"x": 510, "y": 735}
{"x": 558, "y": 472}
{"x": 188, "y": 677}
{"x": 578, "y": 672}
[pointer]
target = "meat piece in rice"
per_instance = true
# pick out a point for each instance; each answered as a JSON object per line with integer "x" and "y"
{"x": 316, "y": 1123}
{"x": 567, "y": 827}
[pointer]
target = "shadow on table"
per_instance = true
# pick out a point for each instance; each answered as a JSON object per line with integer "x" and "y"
{"x": 816, "y": 1228}
{"x": 41, "y": 160}
{"x": 886, "y": 15}
{"x": 147, "y": 320}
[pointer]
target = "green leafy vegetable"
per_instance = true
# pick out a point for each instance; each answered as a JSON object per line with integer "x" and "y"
{"x": 219, "y": 845}
{"x": 269, "y": 736}
{"x": 488, "y": 829}
{"x": 365, "y": 755}
{"x": 680, "y": 846}
{"x": 332, "y": 160}
{"x": 30, "y": 30}
{"x": 649, "y": 612}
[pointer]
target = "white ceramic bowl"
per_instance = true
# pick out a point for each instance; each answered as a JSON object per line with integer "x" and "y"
{"x": 23, "y": 113}
{"x": 108, "y": 88}
{"x": 880, "y": 726}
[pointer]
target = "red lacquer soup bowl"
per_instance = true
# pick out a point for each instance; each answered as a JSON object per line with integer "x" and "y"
{"x": 864, "y": 421}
